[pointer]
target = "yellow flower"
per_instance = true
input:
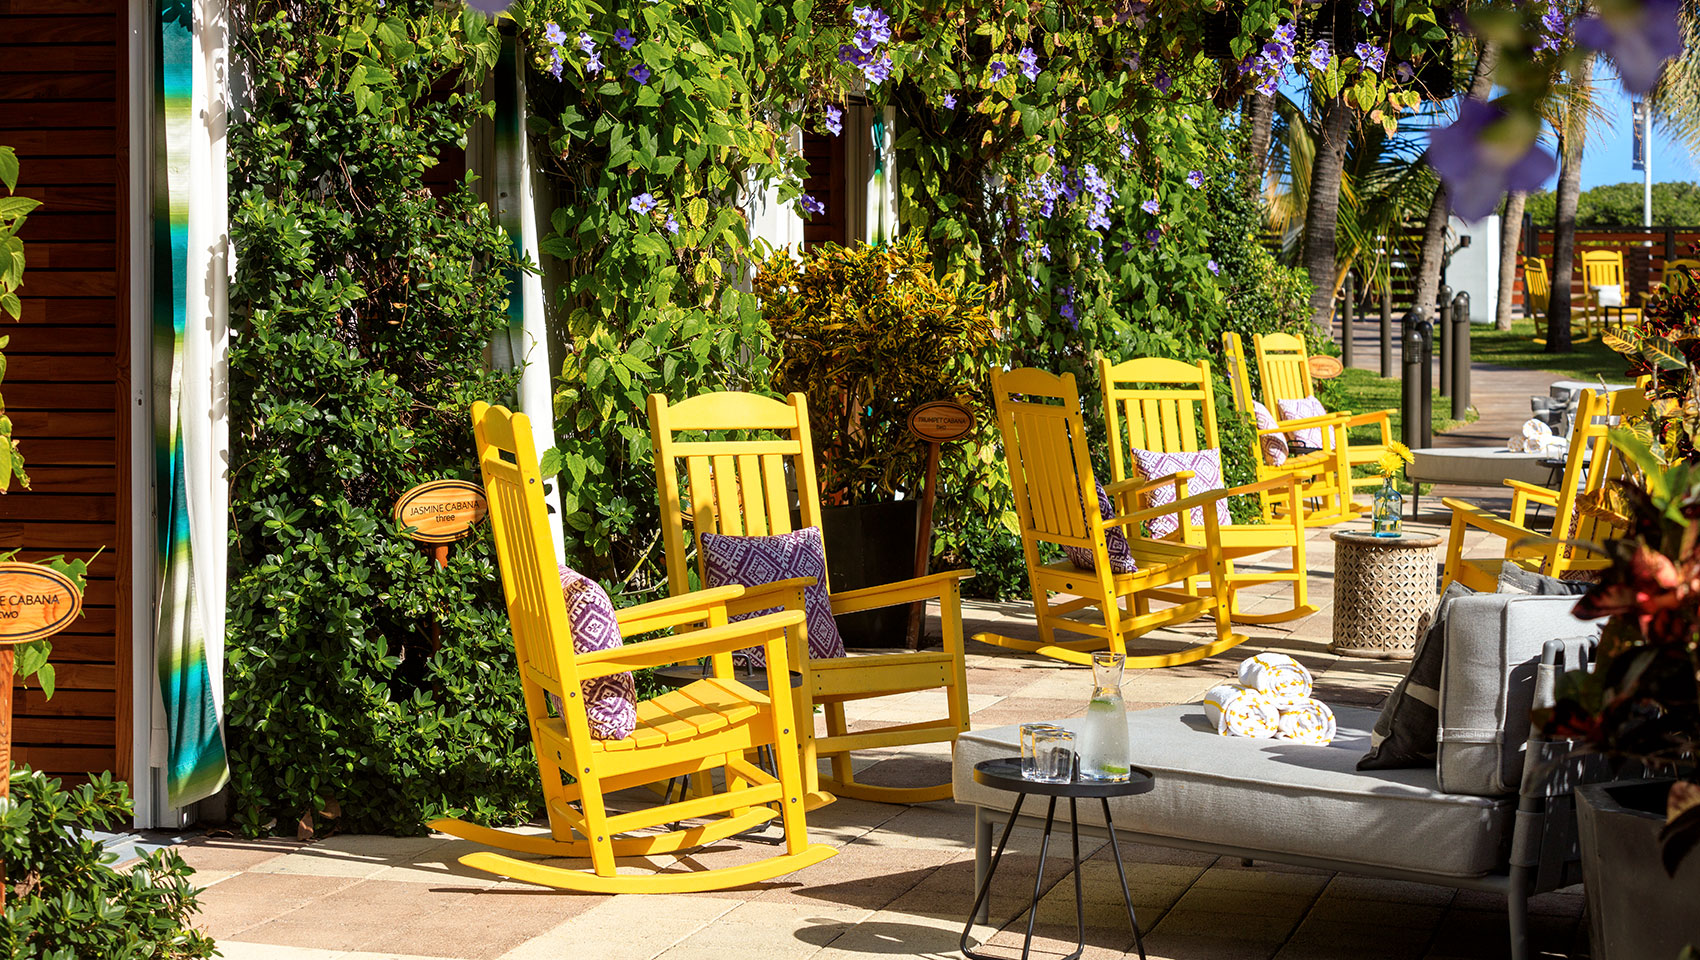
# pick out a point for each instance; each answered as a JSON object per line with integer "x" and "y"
{"x": 1395, "y": 459}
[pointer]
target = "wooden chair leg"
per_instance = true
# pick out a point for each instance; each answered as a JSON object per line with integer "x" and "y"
{"x": 842, "y": 769}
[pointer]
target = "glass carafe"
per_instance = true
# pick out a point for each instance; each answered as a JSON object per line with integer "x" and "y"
{"x": 1103, "y": 747}
{"x": 1384, "y": 515}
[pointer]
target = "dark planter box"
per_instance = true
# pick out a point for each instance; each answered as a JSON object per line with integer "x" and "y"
{"x": 1635, "y": 910}
{"x": 867, "y": 545}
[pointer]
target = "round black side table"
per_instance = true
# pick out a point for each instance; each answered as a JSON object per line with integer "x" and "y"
{"x": 1005, "y": 774}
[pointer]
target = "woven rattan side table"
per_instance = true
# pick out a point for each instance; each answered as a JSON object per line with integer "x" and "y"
{"x": 1383, "y": 589}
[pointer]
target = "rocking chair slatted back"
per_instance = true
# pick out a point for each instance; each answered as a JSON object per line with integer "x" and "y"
{"x": 1165, "y": 414}
{"x": 524, "y": 549}
{"x": 1284, "y": 367}
{"x": 1593, "y": 462}
{"x": 1537, "y": 285}
{"x": 1050, "y": 475}
{"x": 737, "y": 486}
{"x": 1677, "y": 278}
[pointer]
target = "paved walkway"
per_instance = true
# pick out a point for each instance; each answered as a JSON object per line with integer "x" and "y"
{"x": 902, "y": 882}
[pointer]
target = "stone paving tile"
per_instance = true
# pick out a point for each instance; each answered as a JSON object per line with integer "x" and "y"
{"x": 1167, "y": 945}
{"x": 239, "y": 903}
{"x": 625, "y": 928}
{"x": 226, "y": 853}
{"x": 1343, "y": 940}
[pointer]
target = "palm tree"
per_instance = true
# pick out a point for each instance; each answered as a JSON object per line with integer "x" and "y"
{"x": 1510, "y": 239}
{"x": 1322, "y": 211}
{"x": 1572, "y": 136}
{"x": 1433, "y": 250}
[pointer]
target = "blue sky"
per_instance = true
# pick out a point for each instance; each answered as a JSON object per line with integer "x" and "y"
{"x": 1606, "y": 159}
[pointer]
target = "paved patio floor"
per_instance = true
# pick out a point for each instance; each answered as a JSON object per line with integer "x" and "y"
{"x": 901, "y": 884}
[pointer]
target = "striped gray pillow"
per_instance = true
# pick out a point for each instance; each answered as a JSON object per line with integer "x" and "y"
{"x": 1406, "y": 733}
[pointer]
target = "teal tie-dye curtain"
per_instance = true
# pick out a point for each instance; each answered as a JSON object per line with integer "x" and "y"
{"x": 188, "y": 195}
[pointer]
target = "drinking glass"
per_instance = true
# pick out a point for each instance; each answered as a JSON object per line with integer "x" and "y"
{"x": 1028, "y": 770}
{"x": 1053, "y": 756}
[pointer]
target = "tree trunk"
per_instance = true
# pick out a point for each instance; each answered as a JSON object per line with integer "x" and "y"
{"x": 1432, "y": 253}
{"x": 1260, "y": 114}
{"x": 1510, "y": 241}
{"x": 1322, "y": 213}
{"x": 1563, "y": 246}
{"x": 1431, "y": 259}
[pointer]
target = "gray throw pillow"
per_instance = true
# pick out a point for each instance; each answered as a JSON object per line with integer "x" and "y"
{"x": 1406, "y": 733}
{"x": 1514, "y": 578}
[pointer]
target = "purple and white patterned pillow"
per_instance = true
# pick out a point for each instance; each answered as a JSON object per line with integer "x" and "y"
{"x": 1300, "y": 409}
{"x": 1274, "y": 444}
{"x": 1115, "y": 542}
{"x": 1206, "y": 467}
{"x": 610, "y": 702}
{"x": 754, "y": 561}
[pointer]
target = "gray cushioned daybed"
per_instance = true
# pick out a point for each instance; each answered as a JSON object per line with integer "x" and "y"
{"x": 1497, "y": 824}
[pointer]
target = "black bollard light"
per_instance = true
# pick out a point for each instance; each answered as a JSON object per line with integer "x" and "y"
{"x": 1427, "y": 424}
{"x": 1387, "y": 328}
{"x": 1412, "y": 352}
{"x": 1346, "y": 324}
{"x": 1443, "y": 339}
{"x": 1460, "y": 354}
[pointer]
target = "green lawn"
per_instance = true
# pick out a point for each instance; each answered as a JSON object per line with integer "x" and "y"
{"x": 1516, "y": 348}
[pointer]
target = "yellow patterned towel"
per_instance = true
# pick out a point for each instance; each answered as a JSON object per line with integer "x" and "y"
{"x": 1238, "y": 711}
{"x": 1278, "y": 675}
{"x": 1306, "y": 721}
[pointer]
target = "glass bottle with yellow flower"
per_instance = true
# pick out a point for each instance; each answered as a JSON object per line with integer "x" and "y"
{"x": 1389, "y": 503}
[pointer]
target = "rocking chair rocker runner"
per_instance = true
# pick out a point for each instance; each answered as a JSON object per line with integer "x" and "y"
{"x": 1057, "y": 502}
{"x": 690, "y": 731}
{"x": 1163, "y": 406}
{"x": 736, "y": 484}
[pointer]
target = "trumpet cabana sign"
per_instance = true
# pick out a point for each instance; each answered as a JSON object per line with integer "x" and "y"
{"x": 35, "y": 602}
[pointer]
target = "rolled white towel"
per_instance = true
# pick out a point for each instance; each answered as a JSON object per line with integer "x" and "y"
{"x": 1238, "y": 711}
{"x": 1277, "y": 675}
{"x": 1306, "y": 721}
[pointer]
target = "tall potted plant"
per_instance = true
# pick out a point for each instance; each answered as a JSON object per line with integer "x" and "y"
{"x": 1640, "y": 705}
{"x": 868, "y": 333}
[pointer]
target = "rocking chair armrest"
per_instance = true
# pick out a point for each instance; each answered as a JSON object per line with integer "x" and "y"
{"x": 1287, "y": 426}
{"x": 1196, "y": 500}
{"x": 930, "y": 587}
{"x": 693, "y": 607}
{"x": 1272, "y": 483}
{"x": 786, "y": 593}
{"x": 1469, "y": 515}
{"x": 1533, "y": 491}
{"x": 688, "y": 646}
{"x": 1142, "y": 484}
{"x": 1382, "y": 418}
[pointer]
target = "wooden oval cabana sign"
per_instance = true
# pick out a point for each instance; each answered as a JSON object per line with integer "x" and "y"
{"x": 35, "y": 602}
{"x": 941, "y": 421}
{"x": 1325, "y": 367}
{"x": 441, "y": 511}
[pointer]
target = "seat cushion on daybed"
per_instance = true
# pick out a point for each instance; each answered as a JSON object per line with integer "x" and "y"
{"x": 1476, "y": 467}
{"x": 1276, "y": 796}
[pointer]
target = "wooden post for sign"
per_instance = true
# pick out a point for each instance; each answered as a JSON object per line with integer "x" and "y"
{"x": 938, "y": 423}
{"x": 436, "y": 514}
{"x": 36, "y": 602}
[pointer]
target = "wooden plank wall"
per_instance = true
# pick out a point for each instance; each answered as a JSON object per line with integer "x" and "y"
{"x": 62, "y": 106}
{"x": 1643, "y": 264}
{"x": 826, "y": 182}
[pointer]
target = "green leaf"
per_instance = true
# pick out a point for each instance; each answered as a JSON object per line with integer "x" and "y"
{"x": 9, "y": 168}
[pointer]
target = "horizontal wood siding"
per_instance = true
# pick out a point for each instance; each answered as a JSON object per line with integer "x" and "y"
{"x": 62, "y": 106}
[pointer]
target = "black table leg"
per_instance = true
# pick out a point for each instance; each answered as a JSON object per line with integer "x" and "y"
{"x": 986, "y": 883}
{"x": 1116, "y": 851}
{"x": 1079, "y": 895}
{"x": 1039, "y": 879}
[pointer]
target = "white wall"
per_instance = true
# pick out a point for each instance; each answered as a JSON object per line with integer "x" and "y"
{"x": 1475, "y": 268}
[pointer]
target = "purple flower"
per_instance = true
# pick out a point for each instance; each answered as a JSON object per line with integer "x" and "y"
{"x": 1131, "y": 62}
{"x": 672, "y": 225}
{"x": 553, "y": 33}
{"x": 1286, "y": 33}
{"x": 1153, "y": 235}
{"x": 1045, "y": 252}
{"x": 585, "y": 43}
{"x": 1195, "y": 179}
{"x": 1127, "y": 247}
{"x": 1267, "y": 87}
{"x": 625, "y": 38}
{"x": 1365, "y": 7}
{"x": 835, "y": 119}
{"x": 1477, "y": 163}
{"x": 1211, "y": 265}
{"x": 1029, "y": 62}
{"x": 593, "y": 63}
{"x": 874, "y": 28}
{"x": 642, "y": 203}
{"x": 1640, "y": 39}
{"x": 1404, "y": 72}
{"x": 1149, "y": 206}
{"x": 1371, "y": 56}
{"x": 810, "y": 205}
{"x": 640, "y": 73}
{"x": 556, "y": 62}
{"x": 1320, "y": 55}
{"x": 491, "y": 7}
{"x": 1162, "y": 82}
{"x": 878, "y": 71}
{"x": 948, "y": 101}
{"x": 998, "y": 71}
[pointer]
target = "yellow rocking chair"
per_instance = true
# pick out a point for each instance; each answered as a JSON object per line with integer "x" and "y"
{"x": 1283, "y": 366}
{"x": 1326, "y": 494}
{"x": 711, "y": 723}
{"x": 1164, "y": 406}
{"x": 1591, "y": 463}
{"x": 1057, "y": 501}
{"x": 736, "y": 481}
